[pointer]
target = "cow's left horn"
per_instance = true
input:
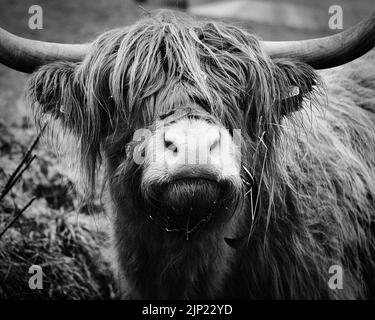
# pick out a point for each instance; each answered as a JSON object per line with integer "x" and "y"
{"x": 27, "y": 55}
{"x": 329, "y": 51}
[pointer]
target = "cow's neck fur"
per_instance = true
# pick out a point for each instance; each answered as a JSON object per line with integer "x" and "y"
{"x": 164, "y": 265}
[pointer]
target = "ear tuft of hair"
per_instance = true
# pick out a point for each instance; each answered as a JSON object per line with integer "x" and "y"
{"x": 58, "y": 100}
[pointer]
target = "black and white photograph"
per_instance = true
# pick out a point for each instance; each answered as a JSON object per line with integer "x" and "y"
{"x": 209, "y": 151}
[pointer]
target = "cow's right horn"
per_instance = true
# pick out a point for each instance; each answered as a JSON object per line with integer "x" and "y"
{"x": 27, "y": 55}
{"x": 329, "y": 51}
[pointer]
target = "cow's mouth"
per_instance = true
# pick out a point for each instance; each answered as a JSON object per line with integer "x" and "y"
{"x": 187, "y": 204}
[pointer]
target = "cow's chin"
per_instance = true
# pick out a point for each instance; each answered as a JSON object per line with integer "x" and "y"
{"x": 191, "y": 204}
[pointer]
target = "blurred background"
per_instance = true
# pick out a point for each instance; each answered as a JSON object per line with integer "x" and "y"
{"x": 57, "y": 232}
{"x": 82, "y": 20}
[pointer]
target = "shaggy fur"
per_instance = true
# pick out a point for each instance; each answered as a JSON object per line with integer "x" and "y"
{"x": 311, "y": 200}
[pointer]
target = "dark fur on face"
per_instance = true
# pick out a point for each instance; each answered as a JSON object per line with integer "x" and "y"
{"x": 136, "y": 76}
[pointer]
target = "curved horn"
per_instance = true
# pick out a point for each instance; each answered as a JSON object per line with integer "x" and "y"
{"x": 27, "y": 55}
{"x": 329, "y": 51}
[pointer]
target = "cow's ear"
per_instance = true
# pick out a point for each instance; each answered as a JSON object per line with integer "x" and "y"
{"x": 58, "y": 97}
{"x": 296, "y": 81}
{"x": 55, "y": 94}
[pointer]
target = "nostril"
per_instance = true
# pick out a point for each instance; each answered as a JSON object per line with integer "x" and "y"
{"x": 170, "y": 146}
{"x": 214, "y": 145}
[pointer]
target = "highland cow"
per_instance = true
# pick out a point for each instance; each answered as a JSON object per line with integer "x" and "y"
{"x": 286, "y": 187}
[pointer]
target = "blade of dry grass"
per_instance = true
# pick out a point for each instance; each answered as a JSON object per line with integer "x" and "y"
{"x": 16, "y": 217}
{"x": 22, "y": 167}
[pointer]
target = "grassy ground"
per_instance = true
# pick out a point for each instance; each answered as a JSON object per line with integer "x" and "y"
{"x": 56, "y": 231}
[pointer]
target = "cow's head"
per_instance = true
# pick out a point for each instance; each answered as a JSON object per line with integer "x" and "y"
{"x": 184, "y": 113}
